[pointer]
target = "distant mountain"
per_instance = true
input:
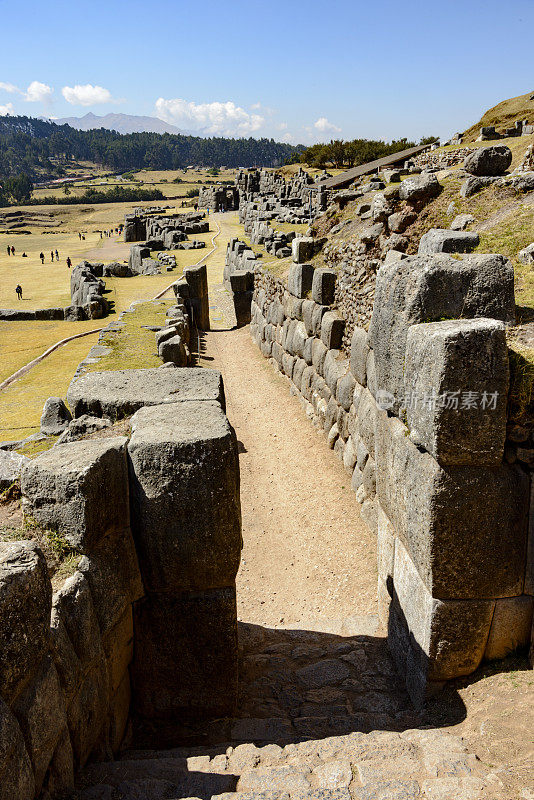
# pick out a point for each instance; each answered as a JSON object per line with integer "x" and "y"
{"x": 122, "y": 123}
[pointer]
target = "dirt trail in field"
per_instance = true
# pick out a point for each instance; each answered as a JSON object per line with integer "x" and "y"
{"x": 308, "y": 557}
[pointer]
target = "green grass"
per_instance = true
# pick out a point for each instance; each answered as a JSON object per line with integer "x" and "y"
{"x": 131, "y": 345}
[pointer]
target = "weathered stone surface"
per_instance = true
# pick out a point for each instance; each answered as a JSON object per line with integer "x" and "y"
{"x": 510, "y": 626}
{"x": 80, "y": 427}
{"x": 63, "y": 489}
{"x": 443, "y": 361}
{"x": 184, "y": 475}
{"x": 173, "y": 350}
{"x": 493, "y": 160}
{"x": 345, "y": 390}
{"x": 56, "y": 416}
{"x": 319, "y": 351}
{"x": 187, "y": 664}
{"x": 461, "y": 221}
{"x": 74, "y": 605}
{"x": 335, "y": 366}
{"x": 367, "y": 420}
{"x": 419, "y": 188}
{"x": 112, "y": 572}
{"x": 302, "y": 249}
{"x": 11, "y": 465}
{"x": 332, "y": 328}
{"x": 448, "y": 517}
{"x": 16, "y": 774}
{"x": 324, "y": 286}
{"x": 300, "y": 278}
{"x": 41, "y": 716}
{"x": 25, "y": 605}
{"x": 398, "y": 222}
{"x": 88, "y": 712}
{"x": 118, "y": 394}
{"x": 430, "y": 639}
{"x": 526, "y": 256}
{"x": 429, "y": 288}
{"x": 438, "y": 240}
{"x": 359, "y": 350}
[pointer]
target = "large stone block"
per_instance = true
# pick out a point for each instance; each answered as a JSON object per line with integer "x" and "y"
{"x": 427, "y": 289}
{"x": 324, "y": 286}
{"x": 63, "y": 489}
{"x": 25, "y": 606}
{"x": 419, "y": 188}
{"x": 188, "y": 662}
{"x": 493, "y": 160}
{"x": 41, "y": 715}
{"x": 359, "y": 350}
{"x": 464, "y": 527}
{"x": 319, "y": 351}
{"x": 302, "y": 249}
{"x": 300, "y": 278}
{"x": 117, "y": 394}
{"x": 55, "y": 417}
{"x": 112, "y": 572}
{"x": 186, "y": 514}
{"x": 437, "y": 240}
{"x": 11, "y": 465}
{"x": 335, "y": 366}
{"x": 88, "y": 714}
{"x": 433, "y": 640}
{"x": 456, "y": 390}
{"x": 73, "y": 603}
{"x": 510, "y": 626}
{"x": 332, "y": 328}
{"x": 173, "y": 351}
{"x": 367, "y": 420}
{"x": 16, "y": 773}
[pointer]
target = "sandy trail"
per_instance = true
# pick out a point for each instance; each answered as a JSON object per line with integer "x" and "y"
{"x": 308, "y": 556}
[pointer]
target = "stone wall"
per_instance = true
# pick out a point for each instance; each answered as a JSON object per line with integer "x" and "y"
{"x": 147, "y": 622}
{"x": 416, "y": 410}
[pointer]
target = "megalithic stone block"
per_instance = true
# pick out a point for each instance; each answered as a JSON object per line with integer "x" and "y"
{"x": 433, "y": 640}
{"x": 456, "y": 390}
{"x": 63, "y": 489}
{"x": 300, "y": 278}
{"x": 464, "y": 527}
{"x": 427, "y": 289}
{"x": 184, "y": 490}
{"x": 324, "y": 286}
{"x": 197, "y": 279}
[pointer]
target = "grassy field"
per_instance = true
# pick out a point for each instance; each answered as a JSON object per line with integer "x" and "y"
{"x": 48, "y": 286}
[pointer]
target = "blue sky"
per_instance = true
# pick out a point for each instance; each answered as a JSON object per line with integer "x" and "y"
{"x": 299, "y": 71}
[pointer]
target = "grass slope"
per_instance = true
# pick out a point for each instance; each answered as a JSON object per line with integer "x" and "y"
{"x": 504, "y": 115}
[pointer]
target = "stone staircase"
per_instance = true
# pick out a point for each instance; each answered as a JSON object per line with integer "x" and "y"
{"x": 322, "y": 716}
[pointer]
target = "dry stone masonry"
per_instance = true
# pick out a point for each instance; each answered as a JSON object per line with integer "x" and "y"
{"x": 146, "y": 625}
{"x": 416, "y": 409}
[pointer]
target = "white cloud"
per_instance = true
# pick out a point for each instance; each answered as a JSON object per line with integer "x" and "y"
{"x": 282, "y": 126}
{"x": 38, "y": 92}
{"x": 224, "y": 119}
{"x": 7, "y": 109}
{"x": 324, "y": 126}
{"x": 86, "y": 95}
{"x": 8, "y": 87}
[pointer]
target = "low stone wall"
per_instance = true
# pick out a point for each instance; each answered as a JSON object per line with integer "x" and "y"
{"x": 416, "y": 410}
{"x": 167, "y": 500}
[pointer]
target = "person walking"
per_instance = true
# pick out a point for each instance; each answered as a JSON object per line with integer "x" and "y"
{"x": 9, "y": 250}
{"x": 57, "y": 256}
{"x": 41, "y": 256}
{"x": 18, "y": 290}
{"x": 52, "y": 255}
{"x": 69, "y": 262}
{"x": 12, "y": 250}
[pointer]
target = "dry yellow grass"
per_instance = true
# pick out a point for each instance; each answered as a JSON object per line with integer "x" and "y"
{"x": 20, "y": 342}
{"x": 505, "y": 114}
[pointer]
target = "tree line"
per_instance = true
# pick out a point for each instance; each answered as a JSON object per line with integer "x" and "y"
{"x": 340, "y": 154}
{"x": 39, "y": 148}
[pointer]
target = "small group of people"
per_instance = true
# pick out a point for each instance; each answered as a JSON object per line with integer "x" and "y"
{"x": 53, "y": 254}
{"x": 10, "y": 250}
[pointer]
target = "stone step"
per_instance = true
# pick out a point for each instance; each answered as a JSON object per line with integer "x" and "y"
{"x": 382, "y": 765}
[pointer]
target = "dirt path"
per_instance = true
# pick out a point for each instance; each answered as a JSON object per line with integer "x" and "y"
{"x": 308, "y": 557}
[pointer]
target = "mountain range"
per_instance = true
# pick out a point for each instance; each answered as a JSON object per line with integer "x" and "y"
{"x": 122, "y": 123}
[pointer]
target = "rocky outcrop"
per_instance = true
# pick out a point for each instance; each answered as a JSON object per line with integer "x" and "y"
{"x": 87, "y": 289}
